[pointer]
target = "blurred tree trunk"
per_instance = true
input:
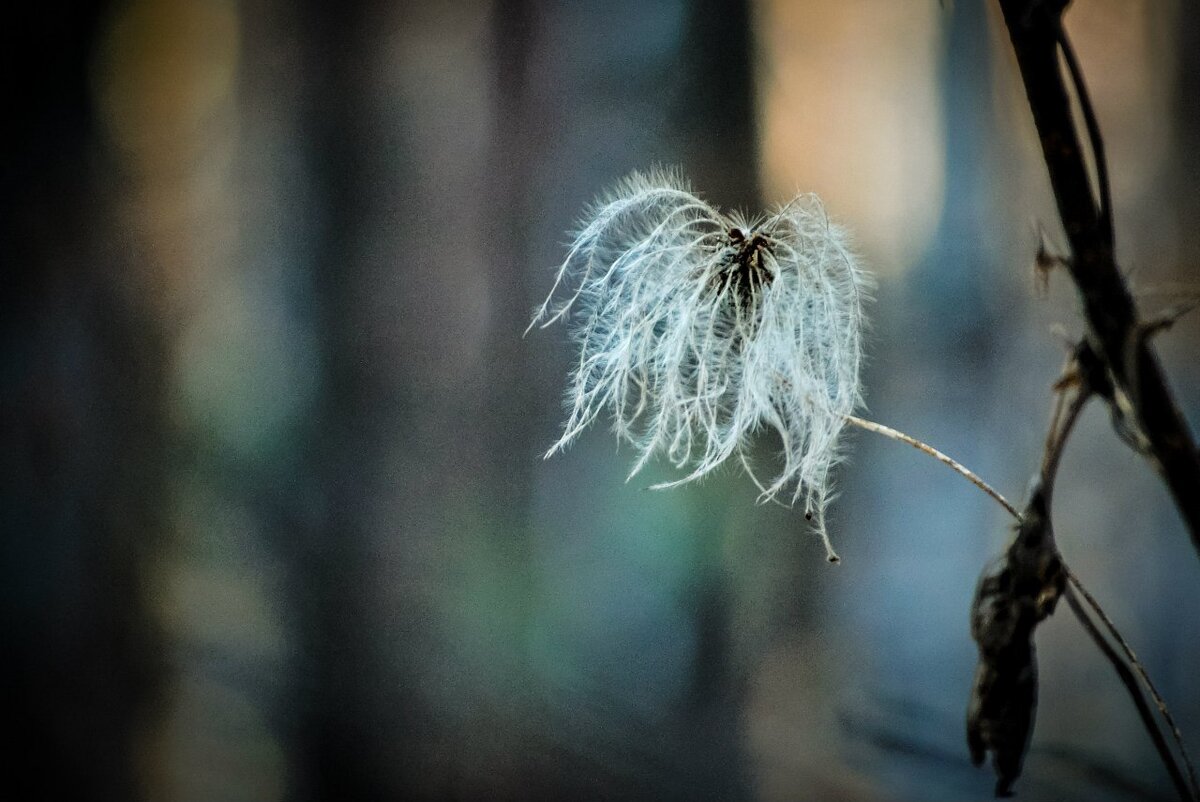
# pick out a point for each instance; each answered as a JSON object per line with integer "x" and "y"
{"x": 424, "y": 577}
{"x": 716, "y": 117}
{"x": 81, "y": 420}
{"x": 716, "y": 111}
{"x": 345, "y": 726}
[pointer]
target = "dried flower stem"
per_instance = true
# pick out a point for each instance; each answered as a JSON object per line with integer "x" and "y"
{"x": 954, "y": 465}
{"x": 1141, "y": 398}
{"x": 1130, "y": 682}
{"x": 1063, "y": 420}
{"x": 1193, "y": 792}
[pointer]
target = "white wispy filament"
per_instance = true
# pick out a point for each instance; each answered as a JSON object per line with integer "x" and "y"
{"x": 698, "y": 329}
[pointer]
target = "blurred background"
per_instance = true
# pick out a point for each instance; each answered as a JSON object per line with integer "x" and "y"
{"x": 275, "y": 522}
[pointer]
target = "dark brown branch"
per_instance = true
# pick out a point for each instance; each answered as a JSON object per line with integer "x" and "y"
{"x": 1141, "y": 402}
{"x": 1135, "y": 693}
{"x": 1061, "y": 424}
{"x": 1015, "y": 594}
{"x": 1134, "y": 663}
{"x": 1125, "y": 661}
{"x": 1094, "y": 139}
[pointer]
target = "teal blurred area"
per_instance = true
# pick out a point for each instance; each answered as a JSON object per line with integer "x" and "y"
{"x": 276, "y": 524}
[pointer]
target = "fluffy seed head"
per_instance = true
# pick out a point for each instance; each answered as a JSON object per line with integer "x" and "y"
{"x": 697, "y": 329}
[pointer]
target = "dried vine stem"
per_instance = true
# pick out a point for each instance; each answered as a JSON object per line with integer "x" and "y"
{"x": 1093, "y": 129}
{"x": 1062, "y": 423}
{"x": 1140, "y": 400}
{"x": 1122, "y": 368}
{"x": 1192, "y": 789}
{"x": 954, "y": 465}
{"x": 1127, "y": 677}
{"x": 1130, "y": 669}
{"x": 1065, "y": 414}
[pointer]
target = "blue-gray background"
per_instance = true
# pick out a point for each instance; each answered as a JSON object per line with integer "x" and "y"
{"x": 275, "y": 523}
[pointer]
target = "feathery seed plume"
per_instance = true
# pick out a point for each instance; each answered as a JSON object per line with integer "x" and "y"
{"x": 697, "y": 329}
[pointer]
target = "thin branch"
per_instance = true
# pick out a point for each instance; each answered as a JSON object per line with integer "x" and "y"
{"x": 1142, "y": 394}
{"x": 1053, "y": 439}
{"x": 1127, "y": 374}
{"x": 1130, "y": 656}
{"x": 1093, "y": 130}
{"x": 1135, "y": 693}
{"x": 957, "y": 467}
{"x": 1062, "y": 422}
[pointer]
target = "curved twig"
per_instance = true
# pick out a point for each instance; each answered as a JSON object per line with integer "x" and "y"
{"x": 1137, "y": 666}
{"x": 954, "y": 465}
{"x": 1127, "y": 677}
{"x": 1126, "y": 663}
{"x": 1141, "y": 400}
{"x": 1093, "y": 131}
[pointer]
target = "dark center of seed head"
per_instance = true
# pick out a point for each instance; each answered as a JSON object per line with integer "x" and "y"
{"x": 747, "y": 262}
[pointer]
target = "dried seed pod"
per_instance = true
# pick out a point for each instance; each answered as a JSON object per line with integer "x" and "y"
{"x": 1013, "y": 596}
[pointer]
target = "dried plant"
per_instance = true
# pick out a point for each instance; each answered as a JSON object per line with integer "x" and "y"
{"x": 697, "y": 329}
